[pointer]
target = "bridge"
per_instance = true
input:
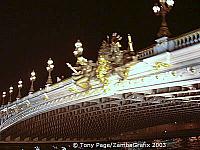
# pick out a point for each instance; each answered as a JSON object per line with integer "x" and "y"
{"x": 151, "y": 94}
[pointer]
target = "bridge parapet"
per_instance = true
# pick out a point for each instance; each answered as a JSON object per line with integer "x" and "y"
{"x": 186, "y": 39}
{"x": 147, "y": 52}
{"x": 164, "y": 44}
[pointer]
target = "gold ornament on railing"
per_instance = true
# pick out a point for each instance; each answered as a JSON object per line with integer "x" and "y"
{"x": 160, "y": 65}
{"x": 103, "y": 70}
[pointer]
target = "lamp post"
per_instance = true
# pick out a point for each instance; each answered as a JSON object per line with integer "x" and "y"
{"x": 32, "y": 79}
{"x": 10, "y": 91}
{"x": 19, "y": 89}
{"x": 162, "y": 10}
{"x": 49, "y": 69}
{"x": 3, "y": 98}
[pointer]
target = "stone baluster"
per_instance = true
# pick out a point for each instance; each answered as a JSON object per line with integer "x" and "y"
{"x": 184, "y": 41}
{"x": 192, "y": 39}
{"x": 187, "y": 40}
{"x": 195, "y": 38}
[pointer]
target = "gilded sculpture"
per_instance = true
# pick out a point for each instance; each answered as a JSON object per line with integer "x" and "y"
{"x": 111, "y": 60}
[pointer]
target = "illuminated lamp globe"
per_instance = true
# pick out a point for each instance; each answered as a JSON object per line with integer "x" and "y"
{"x": 170, "y": 2}
{"x": 33, "y": 73}
{"x": 156, "y": 9}
{"x": 50, "y": 61}
{"x": 78, "y": 44}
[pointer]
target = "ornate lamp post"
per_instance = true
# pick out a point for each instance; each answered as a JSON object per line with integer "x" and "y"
{"x": 3, "y": 98}
{"x": 162, "y": 10}
{"x": 32, "y": 79}
{"x": 19, "y": 89}
{"x": 10, "y": 91}
{"x": 49, "y": 69}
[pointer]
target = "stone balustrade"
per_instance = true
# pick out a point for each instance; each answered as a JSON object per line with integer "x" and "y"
{"x": 147, "y": 52}
{"x": 164, "y": 44}
{"x": 187, "y": 39}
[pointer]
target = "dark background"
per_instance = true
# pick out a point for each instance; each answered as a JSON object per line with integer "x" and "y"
{"x": 31, "y": 31}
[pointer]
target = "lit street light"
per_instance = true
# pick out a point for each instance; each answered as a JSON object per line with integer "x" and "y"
{"x": 49, "y": 69}
{"x": 10, "y": 91}
{"x": 3, "y": 98}
{"x": 79, "y": 47}
{"x": 162, "y": 10}
{"x": 19, "y": 89}
{"x": 32, "y": 79}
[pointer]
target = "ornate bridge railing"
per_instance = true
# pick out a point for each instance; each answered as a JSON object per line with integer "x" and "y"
{"x": 187, "y": 39}
{"x": 165, "y": 44}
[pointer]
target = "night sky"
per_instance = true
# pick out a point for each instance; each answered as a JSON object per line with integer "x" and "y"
{"x": 31, "y": 31}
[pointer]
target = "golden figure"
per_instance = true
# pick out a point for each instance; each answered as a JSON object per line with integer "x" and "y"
{"x": 123, "y": 59}
{"x": 117, "y": 54}
{"x": 112, "y": 59}
{"x": 103, "y": 70}
{"x": 104, "y": 62}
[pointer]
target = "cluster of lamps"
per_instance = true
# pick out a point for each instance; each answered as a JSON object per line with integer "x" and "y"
{"x": 162, "y": 9}
{"x": 49, "y": 68}
{"x": 32, "y": 79}
{"x": 19, "y": 87}
{"x": 10, "y": 91}
{"x": 3, "y": 98}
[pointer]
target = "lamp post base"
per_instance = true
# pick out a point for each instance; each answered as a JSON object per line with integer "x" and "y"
{"x": 49, "y": 80}
{"x": 163, "y": 32}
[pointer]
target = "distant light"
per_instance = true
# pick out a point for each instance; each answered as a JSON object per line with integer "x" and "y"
{"x": 33, "y": 73}
{"x": 20, "y": 86}
{"x": 51, "y": 66}
{"x": 47, "y": 68}
{"x": 78, "y": 44}
{"x": 50, "y": 61}
{"x": 11, "y": 89}
{"x": 170, "y": 2}
{"x": 33, "y": 77}
{"x": 20, "y": 82}
{"x": 156, "y": 9}
{"x": 4, "y": 94}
